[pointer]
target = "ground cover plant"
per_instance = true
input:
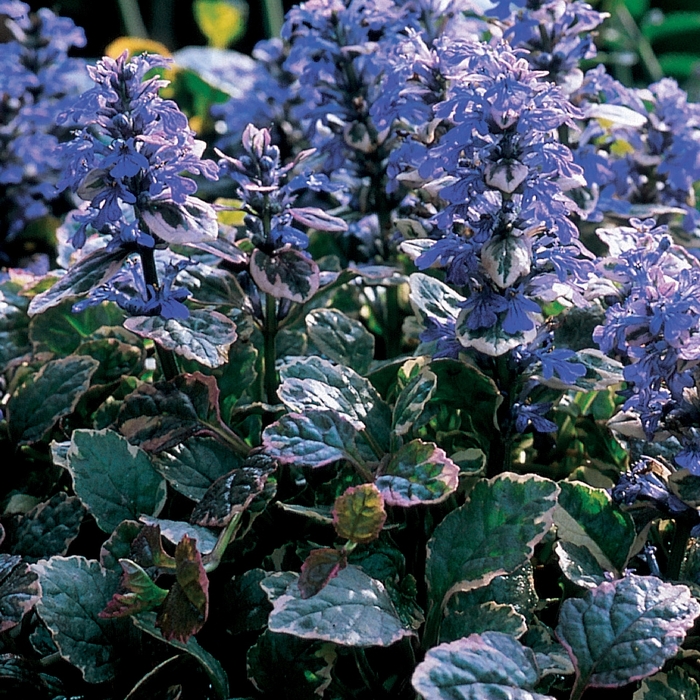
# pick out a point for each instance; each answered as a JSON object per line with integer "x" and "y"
{"x": 363, "y": 367}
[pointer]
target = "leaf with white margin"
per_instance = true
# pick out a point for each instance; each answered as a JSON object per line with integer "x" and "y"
{"x": 191, "y": 222}
{"x": 624, "y": 630}
{"x": 506, "y": 259}
{"x": 204, "y": 336}
{"x": 114, "y": 479}
{"x": 479, "y": 667}
{"x": 74, "y": 591}
{"x": 286, "y": 274}
{"x": 351, "y": 610}
{"x": 314, "y": 383}
{"x": 677, "y": 684}
{"x": 431, "y": 298}
{"x": 411, "y": 402}
{"x": 492, "y": 534}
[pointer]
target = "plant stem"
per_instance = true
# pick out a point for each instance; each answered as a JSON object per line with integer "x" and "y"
{"x": 168, "y": 361}
{"x": 131, "y": 16}
{"x": 270, "y": 349}
{"x": 212, "y": 561}
{"x": 678, "y": 547}
{"x": 273, "y": 13}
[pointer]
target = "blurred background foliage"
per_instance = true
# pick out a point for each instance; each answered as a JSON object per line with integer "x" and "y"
{"x": 643, "y": 40}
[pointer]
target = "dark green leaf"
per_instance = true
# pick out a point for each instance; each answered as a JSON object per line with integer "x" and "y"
{"x": 49, "y": 528}
{"x": 312, "y": 383}
{"x": 505, "y": 518}
{"x": 625, "y": 630}
{"x": 677, "y": 684}
{"x": 116, "y": 358}
{"x": 686, "y": 486}
{"x": 46, "y": 396}
{"x": 579, "y": 565}
{"x": 485, "y": 617}
{"x": 301, "y": 666}
{"x": 89, "y": 272}
{"x": 286, "y": 274}
{"x": 219, "y": 680}
{"x": 14, "y": 323}
{"x": 479, "y": 667}
{"x": 193, "y": 466}
{"x": 19, "y": 590}
{"x": 114, "y": 479}
{"x": 140, "y": 593}
{"x": 205, "y": 336}
{"x": 247, "y": 605}
{"x": 118, "y": 545}
{"x": 351, "y": 610}
{"x": 587, "y": 517}
{"x": 74, "y": 592}
{"x": 341, "y": 338}
{"x": 418, "y": 473}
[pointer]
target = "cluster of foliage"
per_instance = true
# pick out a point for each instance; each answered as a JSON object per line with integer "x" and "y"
{"x": 386, "y": 386}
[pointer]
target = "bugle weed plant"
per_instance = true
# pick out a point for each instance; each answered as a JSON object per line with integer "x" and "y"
{"x": 384, "y": 385}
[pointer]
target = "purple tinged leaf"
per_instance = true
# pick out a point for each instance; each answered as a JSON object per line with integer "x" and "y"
{"x": 286, "y": 274}
{"x": 192, "y": 222}
{"x": 317, "y": 219}
{"x": 319, "y": 568}
{"x": 625, "y": 630}
{"x": 174, "y": 530}
{"x": 19, "y": 590}
{"x": 359, "y": 514}
{"x": 479, "y": 667}
{"x": 140, "y": 593}
{"x": 351, "y": 610}
{"x": 205, "y": 336}
{"x": 186, "y": 607}
{"x": 313, "y": 439}
{"x": 147, "y": 550}
{"x": 419, "y": 473}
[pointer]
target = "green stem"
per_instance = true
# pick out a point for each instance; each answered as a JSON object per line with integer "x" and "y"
{"x": 369, "y": 677}
{"x": 393, "y": 322}
{"x": 680, "y": 542}
{"x": 167, "y": 359}
{"x": 270, "y": 349}
{"x": 273, "y": 13}
{"x": 229, "y": 438}
{"x": 646, "y": 52}
{"x": 131, "y": 15}
{"x": 213, "y": 559}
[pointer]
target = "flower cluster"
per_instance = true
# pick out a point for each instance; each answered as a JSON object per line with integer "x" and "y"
{"x": 654, "y": 325}
{"x": 129, "y": 152}
{"x": 36, "y": 81}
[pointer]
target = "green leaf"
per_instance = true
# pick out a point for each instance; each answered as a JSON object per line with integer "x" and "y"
{"x": 506, "y": 259}
{"x": 319, "y": 568}
{"x": 505, "y": 518}
{"x": 312, "y": 383}
{"x": 431, "y": 298}
{"x": 19, "y": 590}
{"x": 116, "y": 358}
{"x": 677, "y": 684}
{"x": 14, "y": 323}
{"x": 118, "y": 545}
{"x": 479, "y": 667}
{"x": 175, "y": 530}
{"x": 219, "y": 680}
{"x": 222, "y": 22}
{"x": 579, "y": 565}
{"x": 485, "y": 617}
{"x": 53, "y": 392}
{"x": 141, "y": 593}
{"x": 352, "y": 610}
{"x": 247, "y": 607}
{"x": 343, "y": 339}
{"x": 624, "y": 630}
{"x": 587, "y": 517}
{"x": 314, "y": 439}
{"x": 205, "y": 336}
{"x": 301, "y": 666}
{"x": 74, "y": 591}
{"x": 60, "y": 331}
{"x": 49, "y": 528}
{"x": 419, "y": 473}
{"x": 114, "y": 479}
{"x": 686, "y": 486}
{"x": 193, "y": 466}
{"x": 186, "y": 607}
{"x": 411, "y": 402}
{"x": 88, "y": 272}
{"x": 286, "y": 274}
{"x": 359, "y": 514}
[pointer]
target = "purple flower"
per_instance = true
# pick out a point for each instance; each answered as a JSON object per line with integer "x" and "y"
{"x": 533, "y": 414}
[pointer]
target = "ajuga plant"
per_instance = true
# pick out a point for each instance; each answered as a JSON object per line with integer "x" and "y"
{"x": 246, "y": 464}
{"x": 36, "y": 80}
